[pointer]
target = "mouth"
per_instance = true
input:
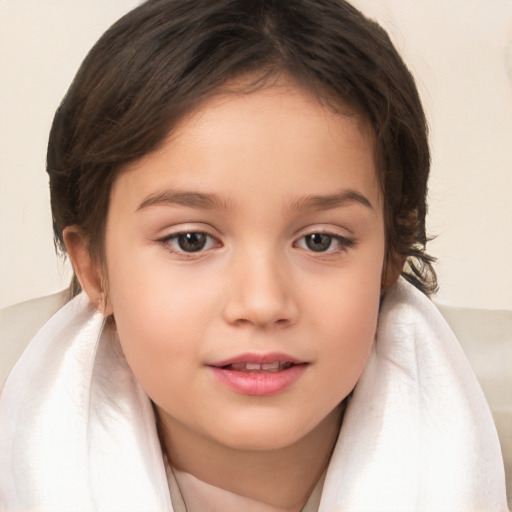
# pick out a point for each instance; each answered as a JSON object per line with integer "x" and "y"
{"x": 259, "y": 375}
{"x": 276, "y": 366}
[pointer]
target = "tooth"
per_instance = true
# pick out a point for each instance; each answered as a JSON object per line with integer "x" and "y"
{"x": 270, "y": 366}
{"x": 238, "y": 366}
{"x": 252, "y": 366}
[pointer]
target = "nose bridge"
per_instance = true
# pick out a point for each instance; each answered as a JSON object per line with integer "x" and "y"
{"x": 260, "y": 292}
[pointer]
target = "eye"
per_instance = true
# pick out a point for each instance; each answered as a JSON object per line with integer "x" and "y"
{"x": 318, "y": 242}
{"x": 190, "y": 242}
{"x": 324, "y": 242}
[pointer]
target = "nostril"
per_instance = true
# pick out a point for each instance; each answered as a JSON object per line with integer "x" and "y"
{"x": 259, "y": 322}
{"x": 282, "y": 321}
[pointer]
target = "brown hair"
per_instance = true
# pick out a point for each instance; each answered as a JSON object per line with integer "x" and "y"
{"x": 161, "y": 59}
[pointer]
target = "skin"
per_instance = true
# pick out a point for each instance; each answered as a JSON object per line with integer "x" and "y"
{"x": 256, "y": 286}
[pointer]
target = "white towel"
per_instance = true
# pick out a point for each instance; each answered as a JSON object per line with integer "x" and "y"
{"x": 77, "y": 432}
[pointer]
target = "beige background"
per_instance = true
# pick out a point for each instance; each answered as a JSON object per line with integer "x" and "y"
{"x": 459, "y": 50}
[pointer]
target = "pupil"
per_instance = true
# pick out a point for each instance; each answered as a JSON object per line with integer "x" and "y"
{"x": 192, "y": 242}
{"x": 318, "y": 242}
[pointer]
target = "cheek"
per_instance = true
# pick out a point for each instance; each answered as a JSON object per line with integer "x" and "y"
{"x": 161, "y": 316}
{"x": 350, "y": 339}
{"x": 147, "y": 289}
{"x": 346, "y": 321}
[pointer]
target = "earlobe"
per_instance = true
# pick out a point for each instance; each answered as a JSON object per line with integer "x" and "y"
{"x": 88, "y": 271}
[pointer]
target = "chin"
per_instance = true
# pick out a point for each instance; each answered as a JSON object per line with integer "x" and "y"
{"x": 271, "y": 433}
{"x": 267, "y": 439}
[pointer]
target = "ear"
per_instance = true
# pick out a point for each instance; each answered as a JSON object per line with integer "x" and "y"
{"x": 89, "y": 272}
{"x": 392, "y": 268}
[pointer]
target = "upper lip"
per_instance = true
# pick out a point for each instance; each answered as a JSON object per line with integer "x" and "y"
{"x": 270, "y": 357}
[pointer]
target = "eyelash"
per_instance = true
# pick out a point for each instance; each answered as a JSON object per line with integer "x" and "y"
{"x": 343, "y": 243}
{"x": 168, "y": 241}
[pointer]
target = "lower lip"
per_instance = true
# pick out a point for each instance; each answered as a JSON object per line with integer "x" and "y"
{"x": 259, "y": 383}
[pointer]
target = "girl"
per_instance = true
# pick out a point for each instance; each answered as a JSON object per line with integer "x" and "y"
{"x": 239, "y": 186}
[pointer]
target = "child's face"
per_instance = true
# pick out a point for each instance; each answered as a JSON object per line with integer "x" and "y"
{"x": 254, "y": 235}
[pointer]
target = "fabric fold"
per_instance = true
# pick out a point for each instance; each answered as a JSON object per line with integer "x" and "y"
{"x": 417, "y": 434}
{"x": 78, "y": 433}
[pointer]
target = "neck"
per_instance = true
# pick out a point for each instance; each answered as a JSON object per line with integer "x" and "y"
{"x": 282, "y": 478}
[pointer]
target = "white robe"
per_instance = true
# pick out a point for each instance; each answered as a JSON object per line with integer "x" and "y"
{"x": 77, "y": 432}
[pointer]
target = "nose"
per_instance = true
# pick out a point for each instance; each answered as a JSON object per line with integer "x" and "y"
{"x": 261, "y": 292}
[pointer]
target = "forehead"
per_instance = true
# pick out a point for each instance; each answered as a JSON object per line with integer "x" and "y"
{"x": 282, "y": 101}
{"x": 280, "y": 133}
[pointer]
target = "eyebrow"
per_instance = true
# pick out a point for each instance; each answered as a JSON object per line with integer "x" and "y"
{"x": 185, "y": 198}
{"x": 212, "y": 201}
{"x": 330, "y": 201}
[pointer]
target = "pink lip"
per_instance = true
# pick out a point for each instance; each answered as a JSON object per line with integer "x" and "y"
{"x": 258, "y": 383}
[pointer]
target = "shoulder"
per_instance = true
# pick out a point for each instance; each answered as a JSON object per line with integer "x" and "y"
{"x": 20, "y": 322}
